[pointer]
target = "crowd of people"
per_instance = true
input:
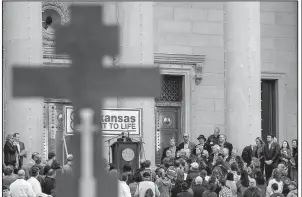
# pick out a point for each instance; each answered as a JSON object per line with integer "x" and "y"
{"x": 209, "y": 169}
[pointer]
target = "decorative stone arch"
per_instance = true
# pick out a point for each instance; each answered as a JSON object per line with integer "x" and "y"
{"x": 190, "y": 67}
{"x": 63, "y": 11}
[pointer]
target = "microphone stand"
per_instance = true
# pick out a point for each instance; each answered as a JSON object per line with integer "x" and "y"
{"x": 109, "y": 144}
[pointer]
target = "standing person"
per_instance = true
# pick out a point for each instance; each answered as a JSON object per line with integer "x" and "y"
{"x": 21, "y": 149}
{"x": 202, "y": 143}
{"x": 211, "y": 191}
{"x": 224, "y": 144}
{"x": 137, "y": 177}
{"x": 231, "y": 183}
{"x": 258, "y": 152}
{"x": 247, "y": 154}
{"x": 270, "y": 153}
{"x": 213, "y": 139}
{"x": 9, "y": 177}
{"x": 276, "y": 179}
{"x": 243, "y": 183}
{"x": 294, "y": 161}
{"x": 67, "y": 168}
{"x": 35, "y": 183}
{"x": 225, "y": 191}
{"x": 193, "y": 173}
{"x": 214, "y": 155}
{"x": 185, "y": 191}
{"x": 124, "y": 138}
{"x": 123, "y": 188}
{"x": 252, "y": 190}
{"x": 51, "y": 163}
{"x": 198, "y": 188}
{"x": 285, "y": 153}
{"x": 147, "y": 165}
{"x": 33, "y": 161}
{"x": 147, "y": 187}
{"x": 172, "y": 147}
{"x": 10, "y": 151}
{"x": 49, "y": 182}
{"x": 21, "y": 188}
{"x": 163, "y": 183}
{"x": 186, "y": 146}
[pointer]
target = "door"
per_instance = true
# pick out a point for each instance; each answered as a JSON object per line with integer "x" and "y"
{"x": 268, "y": 108}
{"x": 168, "y": 125}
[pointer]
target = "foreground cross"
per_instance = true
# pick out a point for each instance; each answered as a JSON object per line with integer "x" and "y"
{"x": 86, "y": 40}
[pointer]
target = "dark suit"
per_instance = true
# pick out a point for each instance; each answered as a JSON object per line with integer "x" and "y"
{"x": 10, "y": 154}
{"x": 22, "y": 147}
{"x": 271, "y": 153}
{"x": 191, "y": 146}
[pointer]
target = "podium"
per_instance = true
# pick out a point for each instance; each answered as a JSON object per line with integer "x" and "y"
{"x": 126, "y": 152}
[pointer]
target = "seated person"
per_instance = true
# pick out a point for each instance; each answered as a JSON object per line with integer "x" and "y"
{"x": 124, "y": 138}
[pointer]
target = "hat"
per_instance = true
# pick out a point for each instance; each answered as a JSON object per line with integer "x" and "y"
{"x": 194, "y": 165}
{"x": 202, "y": 137}
{"x": 198, "y": 180}
{"x": 293, "y": 183}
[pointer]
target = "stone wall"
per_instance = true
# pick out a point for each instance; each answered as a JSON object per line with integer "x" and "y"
{"x": 196, "y": 29}
{"x": 279, "y": 55}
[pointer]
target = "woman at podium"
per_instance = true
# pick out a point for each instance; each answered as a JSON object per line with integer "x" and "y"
{"x": 124, "y": 138}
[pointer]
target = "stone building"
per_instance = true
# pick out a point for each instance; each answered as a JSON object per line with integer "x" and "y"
{"x": 226, "y": 65}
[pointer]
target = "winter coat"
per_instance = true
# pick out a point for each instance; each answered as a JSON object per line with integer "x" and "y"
{"x": 208, "y": 193}
{"x": 198, "y": 190}
{"x": 10, "y": 152}
{"x": 164, "y": 186}
{"x": 185, "y": 194}
{"x": 252, "y": 192}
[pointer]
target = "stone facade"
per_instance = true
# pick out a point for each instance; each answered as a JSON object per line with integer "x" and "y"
{"x": 185, "y": 29}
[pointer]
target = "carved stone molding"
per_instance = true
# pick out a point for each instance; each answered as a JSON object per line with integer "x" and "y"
{"x": 197, "y": 61}
{"x": 63, "y": 11}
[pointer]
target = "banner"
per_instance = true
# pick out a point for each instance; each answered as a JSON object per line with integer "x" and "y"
{"x": 113, "y": 121}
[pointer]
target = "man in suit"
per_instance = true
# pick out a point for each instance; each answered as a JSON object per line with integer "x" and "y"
{"x": 186, "y": 145}
{"x": 10, "y": 150}
{"x": 270, "y": 152}
{"x": 124, "y": 138}
{"x": 224, "y": 144}
{"x": 21, "y": 149}
{"x": 213, "y": 139}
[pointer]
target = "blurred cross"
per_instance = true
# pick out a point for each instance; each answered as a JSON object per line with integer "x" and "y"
{"x": 86, "y": 40}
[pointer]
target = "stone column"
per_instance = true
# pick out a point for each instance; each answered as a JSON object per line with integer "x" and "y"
{"x": 136, "y": 22}
{"x": 243, "y": 73}
{"x": 22, "y": 43}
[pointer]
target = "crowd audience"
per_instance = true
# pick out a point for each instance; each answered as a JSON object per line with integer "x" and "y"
{"x": 211, "y": 168}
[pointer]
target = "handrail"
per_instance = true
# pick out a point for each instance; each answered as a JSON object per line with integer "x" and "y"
{"x": 65, "y": 146}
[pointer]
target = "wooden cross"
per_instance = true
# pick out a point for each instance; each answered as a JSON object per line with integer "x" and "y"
{"x": 86, "y": 83}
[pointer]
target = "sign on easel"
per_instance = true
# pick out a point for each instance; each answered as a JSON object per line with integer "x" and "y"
{"x": 114, "y": 121}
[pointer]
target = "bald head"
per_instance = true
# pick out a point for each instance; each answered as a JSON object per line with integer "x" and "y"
{"x": 252, "y": 182}
{"x": 21, "y": 174}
